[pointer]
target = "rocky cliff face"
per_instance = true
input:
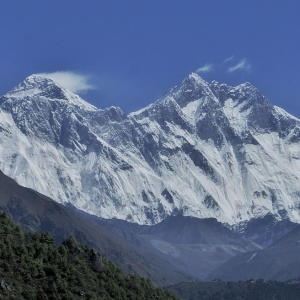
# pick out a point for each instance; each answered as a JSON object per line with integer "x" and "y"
{"x": 203, "y": 150}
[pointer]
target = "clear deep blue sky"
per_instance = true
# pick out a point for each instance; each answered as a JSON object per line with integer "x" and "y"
{"x": 131, "y": 51}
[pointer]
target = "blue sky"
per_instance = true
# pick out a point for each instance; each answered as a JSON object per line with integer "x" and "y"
{"x": 127, "y": 52}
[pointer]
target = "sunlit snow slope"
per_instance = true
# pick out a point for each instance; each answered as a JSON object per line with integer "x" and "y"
{"x": 203, "y": 150}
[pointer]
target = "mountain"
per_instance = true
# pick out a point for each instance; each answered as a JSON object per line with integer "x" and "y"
{"x": 196, "y": 246}
{"x": 203, "y": 150}
{"x": 264, "y": 231}
{"x": 36, "y": 212}
{"x": 280, "y": 261}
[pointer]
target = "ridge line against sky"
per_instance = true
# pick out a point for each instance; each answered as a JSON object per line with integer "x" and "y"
{"x": 127, "y": 53}
{"x": 79, "y": 83}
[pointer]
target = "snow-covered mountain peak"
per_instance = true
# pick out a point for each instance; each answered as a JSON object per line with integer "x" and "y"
{"x": 191, "y": 89}
{"x": 45, "y": 111}
{"x": 196, "y": 78}
{"x": 203, "y": 150}
{"x": 38, "y": 88}
{"x": 38, "y": 80}
{"x": 245, "y": 92}
{"x": 36, "y": 85}
{"x": 240, "y": 93}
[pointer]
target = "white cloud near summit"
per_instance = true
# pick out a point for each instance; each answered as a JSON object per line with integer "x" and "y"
{"x": 230, "y": 65}
{"x": 242, "y": 65}
{"x": 205, "y": 69}
{"x": 74, "y": 82}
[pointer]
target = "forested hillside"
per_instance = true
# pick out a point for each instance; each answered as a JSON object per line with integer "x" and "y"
{"x": 33, "y": 267}
{"x": 248, "y": 290}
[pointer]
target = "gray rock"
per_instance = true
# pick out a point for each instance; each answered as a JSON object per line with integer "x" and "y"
{"x": 96, "y": 261}
{"x": 5, "y": 286}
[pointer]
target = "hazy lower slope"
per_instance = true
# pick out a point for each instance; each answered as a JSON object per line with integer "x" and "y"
{"x": 197, "y": 246}
{"x": 281, "y": 261}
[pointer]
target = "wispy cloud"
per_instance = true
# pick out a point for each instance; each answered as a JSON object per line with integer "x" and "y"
{"x": 230, "y": 65}
{"x": 205, "y": 69}
{"x": 76, "y": 83}
{"x": 228, "y": 59}
{"x": 242, "y": 65}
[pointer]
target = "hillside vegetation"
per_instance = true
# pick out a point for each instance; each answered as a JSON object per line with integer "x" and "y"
{"x": 33, "y": 267}
{"x": 248, "y": 290}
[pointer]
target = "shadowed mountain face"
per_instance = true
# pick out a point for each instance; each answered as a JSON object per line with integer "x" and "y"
{"x": 203, "y": 150}
{"x": 199, "y": 246}
{"x": 37, "y": 212}
{"x": 264, "y": 231}
{"x": 194, "y": 245}
{"x": 280, "y": 261}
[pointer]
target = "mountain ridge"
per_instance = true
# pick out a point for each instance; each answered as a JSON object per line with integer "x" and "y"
{"x": 279, "y": 261}
{"x": 203, "y": 150}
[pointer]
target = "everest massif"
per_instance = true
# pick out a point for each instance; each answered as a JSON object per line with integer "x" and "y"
{"x": 203, "y": 150}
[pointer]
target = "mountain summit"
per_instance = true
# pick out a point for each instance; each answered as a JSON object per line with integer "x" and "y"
{"x": 36, "y": 86}
{"x": 203, "y": 150}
